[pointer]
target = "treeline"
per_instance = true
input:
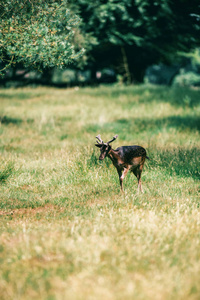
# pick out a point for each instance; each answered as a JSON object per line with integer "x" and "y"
{"x": 103, "y": 40}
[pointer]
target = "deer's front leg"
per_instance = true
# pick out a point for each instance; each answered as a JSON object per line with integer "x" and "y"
{"x": 139, "y": 179}
{"x": 122, "y": 173}
{"x": 120, "y": 179}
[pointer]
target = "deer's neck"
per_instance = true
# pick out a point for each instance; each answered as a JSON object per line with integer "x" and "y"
{"x": 114, "y": 156}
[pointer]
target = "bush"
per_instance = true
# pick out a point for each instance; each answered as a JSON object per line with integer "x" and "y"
{"x": 64, "y": 76}
{"x": 187, "y": 79}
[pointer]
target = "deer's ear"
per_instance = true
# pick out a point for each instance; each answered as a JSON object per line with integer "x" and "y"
{"x": 98, "y": 145}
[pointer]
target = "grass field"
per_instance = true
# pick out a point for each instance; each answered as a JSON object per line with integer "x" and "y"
{"x": 67, "y": 232}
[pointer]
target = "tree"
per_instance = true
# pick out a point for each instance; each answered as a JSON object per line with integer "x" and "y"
{"x": 133, "y": 34}
{"x": 37, "y": 34}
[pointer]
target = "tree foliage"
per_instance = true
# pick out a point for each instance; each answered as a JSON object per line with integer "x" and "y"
{"x": 137, "y": 33}
{"x": 128, "y": 35}
{"x": 37, "y": 34}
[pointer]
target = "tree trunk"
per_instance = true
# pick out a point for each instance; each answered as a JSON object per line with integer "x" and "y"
{"x": 126, "y": 66}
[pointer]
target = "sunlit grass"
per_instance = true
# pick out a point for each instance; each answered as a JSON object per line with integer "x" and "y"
{"x": 66, "y": 230}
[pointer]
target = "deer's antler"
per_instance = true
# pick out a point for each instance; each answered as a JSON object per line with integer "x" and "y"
{"x": 114, "y": 138}
{"x": 99, "y": 139}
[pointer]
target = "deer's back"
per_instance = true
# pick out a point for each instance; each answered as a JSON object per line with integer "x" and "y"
{"x": 127, "y": 153}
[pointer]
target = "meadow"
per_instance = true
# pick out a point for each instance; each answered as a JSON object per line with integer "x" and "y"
{"x": 67, "y": 232}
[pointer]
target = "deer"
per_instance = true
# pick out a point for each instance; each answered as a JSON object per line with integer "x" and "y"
{"x": 124, "y": 158}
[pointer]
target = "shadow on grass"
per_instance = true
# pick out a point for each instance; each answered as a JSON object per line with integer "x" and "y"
{"x": 138, "y": 125}
{"x": 19, "y": 95}
{"x": 176, "y": 96}
{"x": 178, "y": 161}
{"x": 9, "y": 120}
{"x": 179, "y": 122}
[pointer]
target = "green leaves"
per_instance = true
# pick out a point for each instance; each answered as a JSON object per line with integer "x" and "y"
{"x": 39, "y": 36}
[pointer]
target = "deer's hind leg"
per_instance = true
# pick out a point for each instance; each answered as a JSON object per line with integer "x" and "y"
{"x": 138, "y": 172}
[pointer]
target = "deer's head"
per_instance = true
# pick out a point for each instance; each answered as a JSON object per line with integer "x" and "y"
{"x": 104, "y": 147}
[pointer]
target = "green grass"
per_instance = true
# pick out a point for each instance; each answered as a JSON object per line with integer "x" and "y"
{"x": 66, "y": 230}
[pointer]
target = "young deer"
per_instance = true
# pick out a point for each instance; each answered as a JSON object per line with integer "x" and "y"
{"x": 124, "y": 158}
